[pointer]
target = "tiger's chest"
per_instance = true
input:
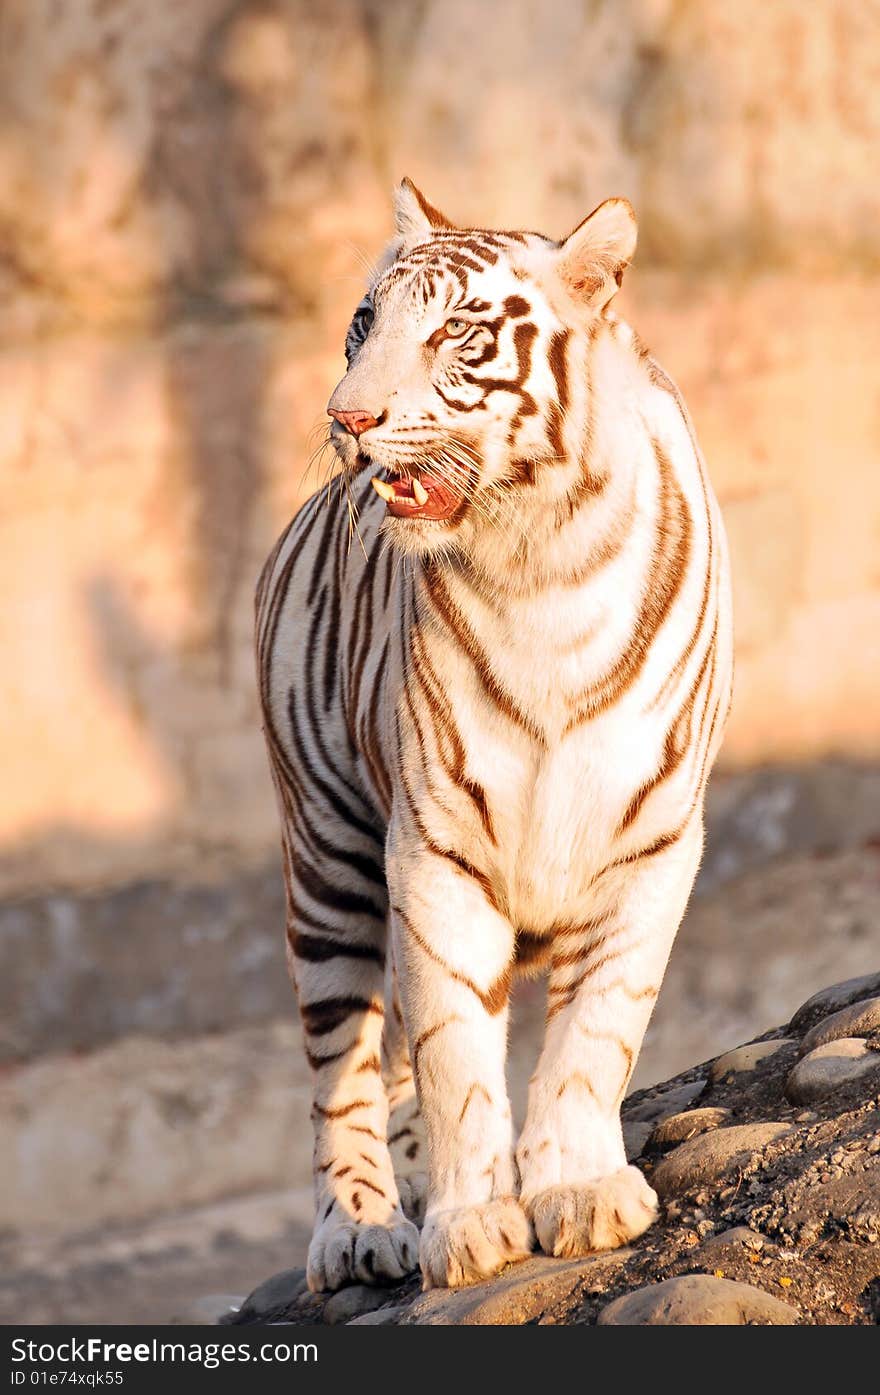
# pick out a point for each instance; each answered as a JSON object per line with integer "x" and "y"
{"x": 543, "y": 741}
{"x": 505, "y": 775}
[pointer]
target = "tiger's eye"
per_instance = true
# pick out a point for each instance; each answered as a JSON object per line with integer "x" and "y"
{"x": 456, "y": 328}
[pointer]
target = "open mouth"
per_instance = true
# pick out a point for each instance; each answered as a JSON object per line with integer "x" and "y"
{"x": 426, "y": 497}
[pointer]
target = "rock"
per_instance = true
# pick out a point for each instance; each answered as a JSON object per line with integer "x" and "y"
{"x": 380, "y": 1317}
{"x": 828, "y": 1000}
{"x": 829, "y": 1067}
{"x": 694, "y": 1300}
{"x": 352, "y": 1302}
{"x": 635, "y": 1136}
{"x": 661, "y": 1103}
{"x": 307, "y": 1300}
{"x": 704, "y": 1158}
{"x": 678, "y": 1128}
{"x": 209, "y": 1310}
{"x": 738, "y": 1237}
{"x": 856, "y": 1020}
{"x": 745, "y": 1058}
{"x": 519, "y": 1295}
{"x": 274, "y": 1298}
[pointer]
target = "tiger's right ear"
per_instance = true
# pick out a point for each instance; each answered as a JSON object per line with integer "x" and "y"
{"x": 413, "y": 215}
{"x": 592, "y": 259}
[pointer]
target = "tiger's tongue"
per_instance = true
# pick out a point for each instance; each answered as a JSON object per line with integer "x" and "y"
{"x": 402, "y": 497}
{"x": 404, "y": 489}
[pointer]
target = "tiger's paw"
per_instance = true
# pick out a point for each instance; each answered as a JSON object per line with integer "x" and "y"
{"x": 472, "y": 1243}
{"x": 573, "y": 1221}
{"x": 343, "y": 1251}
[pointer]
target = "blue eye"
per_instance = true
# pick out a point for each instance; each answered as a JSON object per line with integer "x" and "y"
{"x": 358, "y": 330}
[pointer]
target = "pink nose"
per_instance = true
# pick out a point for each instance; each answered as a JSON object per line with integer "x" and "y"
{"x": 355, "y": 422}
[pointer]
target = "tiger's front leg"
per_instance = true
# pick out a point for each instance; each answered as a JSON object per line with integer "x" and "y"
{"x": 337, "y": 946}
{"x": 604, "y": 978}
{"x": 454, "y": 952}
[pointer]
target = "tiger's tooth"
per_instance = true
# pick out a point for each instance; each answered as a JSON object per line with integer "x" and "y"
{"x": 383, "y": 490}
{"x": 420, "y": 493}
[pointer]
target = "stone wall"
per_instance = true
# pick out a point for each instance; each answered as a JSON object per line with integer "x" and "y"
{"x": 187, "y": 196}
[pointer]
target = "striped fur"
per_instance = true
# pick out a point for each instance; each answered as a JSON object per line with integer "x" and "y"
{"x": 490, "y": 736}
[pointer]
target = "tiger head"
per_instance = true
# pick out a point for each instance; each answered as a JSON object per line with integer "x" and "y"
{"x": 464, "y": 358}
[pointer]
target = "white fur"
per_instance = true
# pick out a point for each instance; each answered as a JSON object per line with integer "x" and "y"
{"x": 557, "y": 792}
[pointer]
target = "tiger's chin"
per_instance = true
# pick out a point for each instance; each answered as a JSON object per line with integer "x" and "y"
{"x": 421, "y": 537}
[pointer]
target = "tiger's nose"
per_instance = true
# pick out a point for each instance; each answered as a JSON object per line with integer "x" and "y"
{"x": 355, "y": 422}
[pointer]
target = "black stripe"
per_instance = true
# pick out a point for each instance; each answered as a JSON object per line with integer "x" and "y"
{"x": 315, "y": 950}
{"x": 333, "y": 896}
{"x": 322, "y": 1017}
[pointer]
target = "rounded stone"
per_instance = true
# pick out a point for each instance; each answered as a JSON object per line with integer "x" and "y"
{"x": 739, "y": 1236}
{"x": 274, "y": 1298}
{"x": 860, "y": 1019}
{"x": 694, "y": 1300}
{"x": 351, "y": 1302}
{"x": 660, "y": 1103}
{"x": 745, "y": 1058}
{"x": 708, "y": 1156}
{"x": 519, "y": 1295}
{"x": 678, "y": 1128}
{"x": 829, "y": 1067}
{"x": 829, "y": 1000}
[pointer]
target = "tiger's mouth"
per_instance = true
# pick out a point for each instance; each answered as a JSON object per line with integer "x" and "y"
{"x": 424, "y": 497}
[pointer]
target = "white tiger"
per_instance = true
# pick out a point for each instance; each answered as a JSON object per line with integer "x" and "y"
{"x": 490, "y": 728}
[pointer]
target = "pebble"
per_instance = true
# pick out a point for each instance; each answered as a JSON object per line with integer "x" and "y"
{"x": 635, "y": 1136}
{"x": 678, "y": 1128}
{"x": 694, "y": 1300}
{"x": 829, "y": 1067}
{"x": 745, "y": 1058}
{"x": 351, "y": 1302}
{"x": 738, "y": 1235}
{"x": 663, "y": 1103}
{"x": 831, "y": 999}
{"x": 275, "y": 1297}
{"x": 706, "y": 1157}
{"x": 856, "y": 1020}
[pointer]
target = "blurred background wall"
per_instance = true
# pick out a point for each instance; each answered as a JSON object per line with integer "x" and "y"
{"x": 187, "y": 196}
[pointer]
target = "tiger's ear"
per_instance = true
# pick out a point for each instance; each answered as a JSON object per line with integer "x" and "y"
{"x": 593, "y": 258}
{"x": 413, "y": 215}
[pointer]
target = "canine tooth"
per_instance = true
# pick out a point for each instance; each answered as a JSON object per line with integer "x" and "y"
{"x": 420, "y": 493}
{"x": 383, "y": 490}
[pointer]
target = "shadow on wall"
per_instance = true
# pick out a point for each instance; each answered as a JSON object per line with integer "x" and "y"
{"x": 174, "y": 327}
